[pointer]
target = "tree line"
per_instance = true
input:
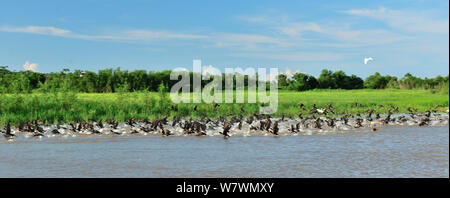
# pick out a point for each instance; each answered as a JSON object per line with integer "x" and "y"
{"x": 115, "y": 80}
{"x": 339, "y": 80}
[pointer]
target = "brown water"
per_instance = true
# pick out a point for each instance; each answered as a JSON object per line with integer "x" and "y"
{"x": 391, "y": 152}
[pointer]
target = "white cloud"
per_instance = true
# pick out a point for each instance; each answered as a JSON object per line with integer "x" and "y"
{"x": 324, "y": 34}
{"x": 301, "y": 56}
{"x": 283, "y": 24}
{"x": 288, "y": 73}
{"x": 295, "y": 29}
{"x": 146, "y": 34}
{"x": 245, "y": 41}
{"x": 45, "y": 30}
{"x": 282, "y": 34}
{"x": 30, "y": 67}
{"x": 122, "y": 35}
{"x": 367, "y": 37}
{"x": 250, "y": 38}
{"x": 407, "y": 20}
{"x": 210, "y": 70}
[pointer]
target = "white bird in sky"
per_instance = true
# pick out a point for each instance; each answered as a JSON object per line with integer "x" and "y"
{"x": 366, "y": 60}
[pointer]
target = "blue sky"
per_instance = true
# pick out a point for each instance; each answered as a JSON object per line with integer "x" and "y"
{"x": 307, "y": 36}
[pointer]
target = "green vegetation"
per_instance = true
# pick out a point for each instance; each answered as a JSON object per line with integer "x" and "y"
{"x": 68, "y": 106}
{"x": 119, "y": 94}
{"x": 114, "y": 80}
{"x": 339, "y": 80}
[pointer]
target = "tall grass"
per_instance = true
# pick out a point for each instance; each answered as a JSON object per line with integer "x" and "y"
{"x": 67, "y": 106}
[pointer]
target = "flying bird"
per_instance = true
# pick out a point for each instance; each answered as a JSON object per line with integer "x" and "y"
{"x": 366, "y": 60}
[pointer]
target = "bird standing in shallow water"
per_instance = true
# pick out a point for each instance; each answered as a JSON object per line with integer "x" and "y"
{"x": 100, "y": 124}
{"x": 55, "y": 132}
{"x": 424, "y": 121}
{"x": 275, "y": 128}
{"x": 358, "y": 123}
{"x": 330, "y": 122}
{"x": 317, "y": 123}
{"x": 165, "y": 132}
{"x": 226, "y": 130}
{"x": 8, "y": 135}
{"x": 292, "y": 128}
{"x": 200, "y": 133}
{"x": 37, "y": 127}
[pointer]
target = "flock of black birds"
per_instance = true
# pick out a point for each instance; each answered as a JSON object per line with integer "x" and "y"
{"x": 318, "y": 119}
